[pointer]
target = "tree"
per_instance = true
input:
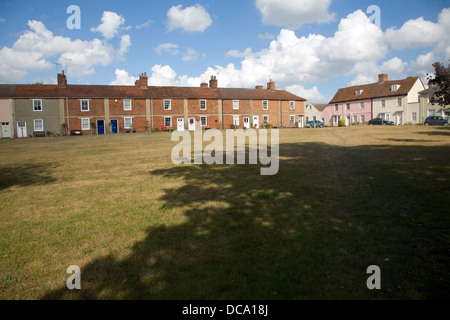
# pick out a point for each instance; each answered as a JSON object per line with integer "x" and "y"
{"x": 441, "y": 81}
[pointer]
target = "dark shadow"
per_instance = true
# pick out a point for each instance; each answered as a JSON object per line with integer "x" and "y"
{"x": 25, "y": 175}
{"x": 438, "y": 131}
{"x": 410, "y": 140}
{"x": 309, "y": 232}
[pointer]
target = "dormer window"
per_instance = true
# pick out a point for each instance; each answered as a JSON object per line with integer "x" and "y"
{"x": 395, "y": 87}
{"x": 358, "y": 92}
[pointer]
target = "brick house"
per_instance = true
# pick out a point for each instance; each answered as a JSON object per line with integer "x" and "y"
{"x": 100, "y": 109}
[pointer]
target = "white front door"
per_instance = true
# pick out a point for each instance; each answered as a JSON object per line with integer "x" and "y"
{"x": 300, "y": 121}
{"x": 191, "y": 124}
{"x": 180, "y": 124}
{"x": 6, "y": 131}
{"x": 399, "y": 119}
{"x": 21, "y": 129}
{"x": 256, "y": 122}
{"x": 246, "y": 123}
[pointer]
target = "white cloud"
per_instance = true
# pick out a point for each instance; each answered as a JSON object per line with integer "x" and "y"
{"x": 110, "y": 25}
{"x": 294, "y": 13}
{"x": 266, "y": 35}
{"x": 37, "y": 49}
{"x": 145, "y": 24}
{"x": 123, "y": 78}
{"x": 190, "y": 54}
{"x": 170, "y": 48}
{"x": 394, "y": 66}
{"x": 415, "y": 34}
{"x": 192, "y": 19}
{"x": 309, "y": 94}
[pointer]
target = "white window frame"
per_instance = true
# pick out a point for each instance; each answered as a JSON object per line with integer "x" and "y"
{"x": 414, "y": 116}
{"x": 130, "y": 120}
{"x": 395, "y": 87}
{"x": 265, "y": 119}
{"x": 399, "y": 102}
{"x": 235, "y": 104}
{"x": 336, "y": 107}
{"x": 169, "y": 106}
{"x": 292, "y": 106}
{"x": 383, "y": 103}
{"x": 363, "y": 118}
{"x": 42, "y": 125}
{"x": 88, "y": 127}
{"x": 201, "y": 121}
{"x": 236, "y": 120}
{"x": 348, "y": 106}
{"x": 265, "y": 105}
{"x": 81, "y": 105}
{"x": 387, "y": 116}
{"x": 170, "y": 121}
{"x": 125, "y": 107}
{"x": 358, "y": 92}
{"x": 292, "y": 119}
{"x": 40, "y": 105}
{"x": 362, "y": 105}
{"x": 204, "y": 103}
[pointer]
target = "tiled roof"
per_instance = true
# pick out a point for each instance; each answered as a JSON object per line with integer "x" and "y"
{"x": 7, "y": 90}
{"x": 99, "y": 91}
{"x": 374, "y": 90}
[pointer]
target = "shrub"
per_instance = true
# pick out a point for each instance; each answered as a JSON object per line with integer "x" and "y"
{"x": 342, "y": 123}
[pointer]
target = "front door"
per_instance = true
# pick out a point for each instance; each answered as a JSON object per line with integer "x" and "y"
{"x": 256, "y": 122}
{"x": 21, "y": 129}
{"x": 246, "y": 122}
{"x": 114, "y": 128}
{"x": 399, "y": 119}
{"x": 6, "y": 131}
{"x": 300, "y": 121}
{"x": 191, "y": 122}
{"x": 100, "y": 126}
{"x": 180, "y": 124}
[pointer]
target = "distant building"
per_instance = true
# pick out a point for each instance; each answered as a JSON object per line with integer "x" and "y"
{"x": 428, "y": 110}
{"x": 40, "y": 110}
{"x": 394, "y": 100}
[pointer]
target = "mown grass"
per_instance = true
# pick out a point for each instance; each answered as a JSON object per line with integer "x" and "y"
{"x": 142, "y": 228}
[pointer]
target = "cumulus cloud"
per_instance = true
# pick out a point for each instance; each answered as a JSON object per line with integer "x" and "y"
{"x": 192, "y": 19}
{"x": 312, "y": 94}
{"x": 294, "y": 13}
{"x": 415, "y": 34}
{"x": 394, "y": 66}
{"x": 123, "y": 78}
{"x": 111, "y": 23}
{"x": 37, "y": 49}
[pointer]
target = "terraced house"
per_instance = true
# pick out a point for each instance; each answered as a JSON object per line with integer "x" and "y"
{"x": 394, "y": 100}
{"x": 41, "y": 110}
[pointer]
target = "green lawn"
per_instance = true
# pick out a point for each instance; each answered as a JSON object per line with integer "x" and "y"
{"x": 142, "y": 228}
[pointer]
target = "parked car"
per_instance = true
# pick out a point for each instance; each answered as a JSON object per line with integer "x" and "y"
{"x": 310, "y": 124}
{"x": 435, "y": 121}
{"x": 380, "y": 122}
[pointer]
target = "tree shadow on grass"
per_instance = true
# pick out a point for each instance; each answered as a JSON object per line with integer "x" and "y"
{"x": 26, "y": 175}
{"x": 309, "y": 232}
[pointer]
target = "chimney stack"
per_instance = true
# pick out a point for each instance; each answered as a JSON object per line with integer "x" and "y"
{"x": 271, "y": 85}
{"x": 62, "y": 80}
{"x": 203, "y": 85}
{"x": 382, "y": 78}
{"x": 143, "y": 81}
{"x": 213, "y": 82}
{"x": 259, "y": 87}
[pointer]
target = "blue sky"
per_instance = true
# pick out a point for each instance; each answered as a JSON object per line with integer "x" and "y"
{"x": 310, "y": 48}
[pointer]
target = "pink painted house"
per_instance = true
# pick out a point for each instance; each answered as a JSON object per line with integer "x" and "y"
{"x": 357, "y": 111}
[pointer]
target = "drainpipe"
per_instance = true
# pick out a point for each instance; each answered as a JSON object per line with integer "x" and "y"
{"x": 68, "y": 120}
{"x": 151, "y": 105}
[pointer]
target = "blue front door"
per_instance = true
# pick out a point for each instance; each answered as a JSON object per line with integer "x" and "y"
{"x": 100, "y": 126}
{"x": 114, "y": 128}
